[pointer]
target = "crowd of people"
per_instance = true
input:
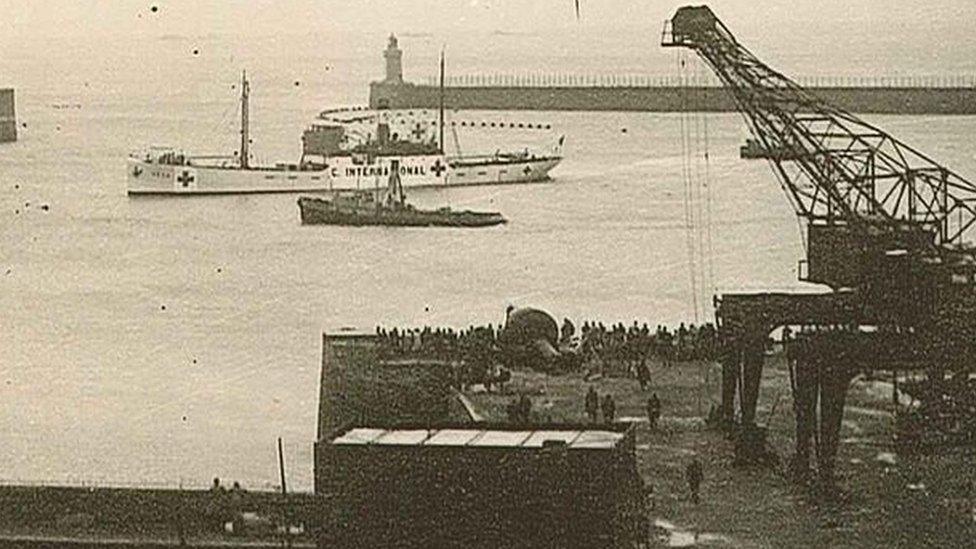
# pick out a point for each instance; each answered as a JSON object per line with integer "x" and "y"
{"x": 445, "y": 344}
{"x": 471, "y": 353}
{"x": 614, "y": 346}
{"x": 629, "y": 348}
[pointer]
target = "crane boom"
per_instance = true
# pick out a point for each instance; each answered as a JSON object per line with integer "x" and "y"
{"x": 837, "y": 169}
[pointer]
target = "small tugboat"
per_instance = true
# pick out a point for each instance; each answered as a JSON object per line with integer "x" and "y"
{"x": 365, "y": 208}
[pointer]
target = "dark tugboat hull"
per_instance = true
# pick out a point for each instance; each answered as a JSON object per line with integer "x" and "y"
{"x": 316, "y": 211}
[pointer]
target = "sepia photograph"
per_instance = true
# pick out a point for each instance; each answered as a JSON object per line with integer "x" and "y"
{"x": 483, "y": 274}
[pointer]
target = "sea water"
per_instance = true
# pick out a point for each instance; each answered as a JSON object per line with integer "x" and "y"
{"x": 168, "y": 340}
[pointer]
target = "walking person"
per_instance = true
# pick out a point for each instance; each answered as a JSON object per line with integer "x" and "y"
{"x": 653, "y": 411}
{"x": 694, "y": 475}
{"x": 609, "y": 408}
{"x": 592, "y": 405}
{"x": 643, "y": 374}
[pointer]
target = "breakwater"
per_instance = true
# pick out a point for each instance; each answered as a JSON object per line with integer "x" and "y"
{"x": 953, "y": 100}
{"x": 8, "y": 116}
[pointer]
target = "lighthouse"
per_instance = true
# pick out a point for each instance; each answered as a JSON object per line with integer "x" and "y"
{"x": 394, "y": 62}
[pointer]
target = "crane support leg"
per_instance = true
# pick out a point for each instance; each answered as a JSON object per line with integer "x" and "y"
{"x": 752, "y": 365}
{"x": 805, "y": 405}
{"x": 730, "y": 380}
{"x": 835, "y": 378}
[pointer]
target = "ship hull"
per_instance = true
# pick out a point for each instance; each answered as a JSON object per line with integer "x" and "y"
{"x": 320, "y": 212}
{"x": 493, "y": 171}
{"x": 342, "y": 174}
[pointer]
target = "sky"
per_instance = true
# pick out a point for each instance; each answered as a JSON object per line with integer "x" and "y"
{"x": 52, "y": 18}
{"x": 799, "y": 37}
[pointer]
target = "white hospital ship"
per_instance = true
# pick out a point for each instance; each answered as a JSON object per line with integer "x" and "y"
{"x": 333, "y": 159}
{"x": 167, "y": 171}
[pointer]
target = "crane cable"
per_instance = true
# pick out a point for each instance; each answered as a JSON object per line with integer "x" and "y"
{"x": 696, "y": 175}
{"x": 705, "y": 187}
{"x": 698, "y": 233}
{"x": 686, "y": 169}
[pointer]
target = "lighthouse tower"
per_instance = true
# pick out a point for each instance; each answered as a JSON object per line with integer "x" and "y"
{"x": 394, "y": 62}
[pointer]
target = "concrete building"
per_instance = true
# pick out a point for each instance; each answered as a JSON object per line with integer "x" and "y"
{"x": 481, "y": 485}
{"x": 8, "y": 116}
{"x": 403, "y": 460}
{"x": 362, "y": 384}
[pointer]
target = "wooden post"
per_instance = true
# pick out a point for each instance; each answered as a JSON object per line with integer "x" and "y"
{"x": 894, "y": 387}
{"x": 284, "y": 493}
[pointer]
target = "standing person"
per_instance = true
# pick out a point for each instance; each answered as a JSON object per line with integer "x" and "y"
{"x": 653, "y": 411}
{"x": 667, "y": 347}
{"x": 592, "y": 404}
{"x": 567, "y": 332}
{"x": 643, "y": 374}
{"x": 609, "y": 408}
{"x": 525, "y": 409}
{"x": 693, "y": 472}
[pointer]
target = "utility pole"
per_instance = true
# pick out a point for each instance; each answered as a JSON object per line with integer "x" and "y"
{"x": 284, "y": 493}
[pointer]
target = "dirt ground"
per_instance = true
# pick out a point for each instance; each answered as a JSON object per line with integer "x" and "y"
{"x": 887, "y": 499}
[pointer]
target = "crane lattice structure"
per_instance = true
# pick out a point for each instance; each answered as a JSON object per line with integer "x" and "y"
{"x": 835, "y": 167}
{"x": 888, "y": 229}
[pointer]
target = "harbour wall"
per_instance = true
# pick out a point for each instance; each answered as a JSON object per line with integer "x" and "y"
{"x": 74, "y": 516}
{"x": 867, "y": 100}
{"x": 8, "y": 116}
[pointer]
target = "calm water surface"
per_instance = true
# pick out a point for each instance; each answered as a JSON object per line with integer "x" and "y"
{"x": 159, "y": 340}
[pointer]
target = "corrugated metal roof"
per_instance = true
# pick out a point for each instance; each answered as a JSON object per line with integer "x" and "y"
{"x": 596, "y": 439}
{"x": 538, "y": 438}
{"x": 497, "y": 438}
{"x": 411, "y": 437}
{"x": 506, "y": 439}
{"x": 452, "y": 437}
{"x": 359, "y": 436}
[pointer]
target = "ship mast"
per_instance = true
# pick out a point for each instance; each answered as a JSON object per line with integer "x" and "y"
{"x": 394, "y": 189}
{"x": 440, "y": 113}
{"x": 245, "y": 122}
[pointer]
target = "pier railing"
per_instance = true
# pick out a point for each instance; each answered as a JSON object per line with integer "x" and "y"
{"x": 560, "y": 80}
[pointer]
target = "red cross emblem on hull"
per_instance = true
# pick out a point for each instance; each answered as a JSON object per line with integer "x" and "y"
{"x": 185, "y": 178}
{"x": 438, "y": 168}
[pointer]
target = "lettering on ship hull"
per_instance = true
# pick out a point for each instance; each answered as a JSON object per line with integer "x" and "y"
{"x": 370, "y": 171}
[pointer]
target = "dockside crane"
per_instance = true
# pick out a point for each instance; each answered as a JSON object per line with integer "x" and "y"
{"x": 836, "y": 168}
{"x": 888, "y": 229}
